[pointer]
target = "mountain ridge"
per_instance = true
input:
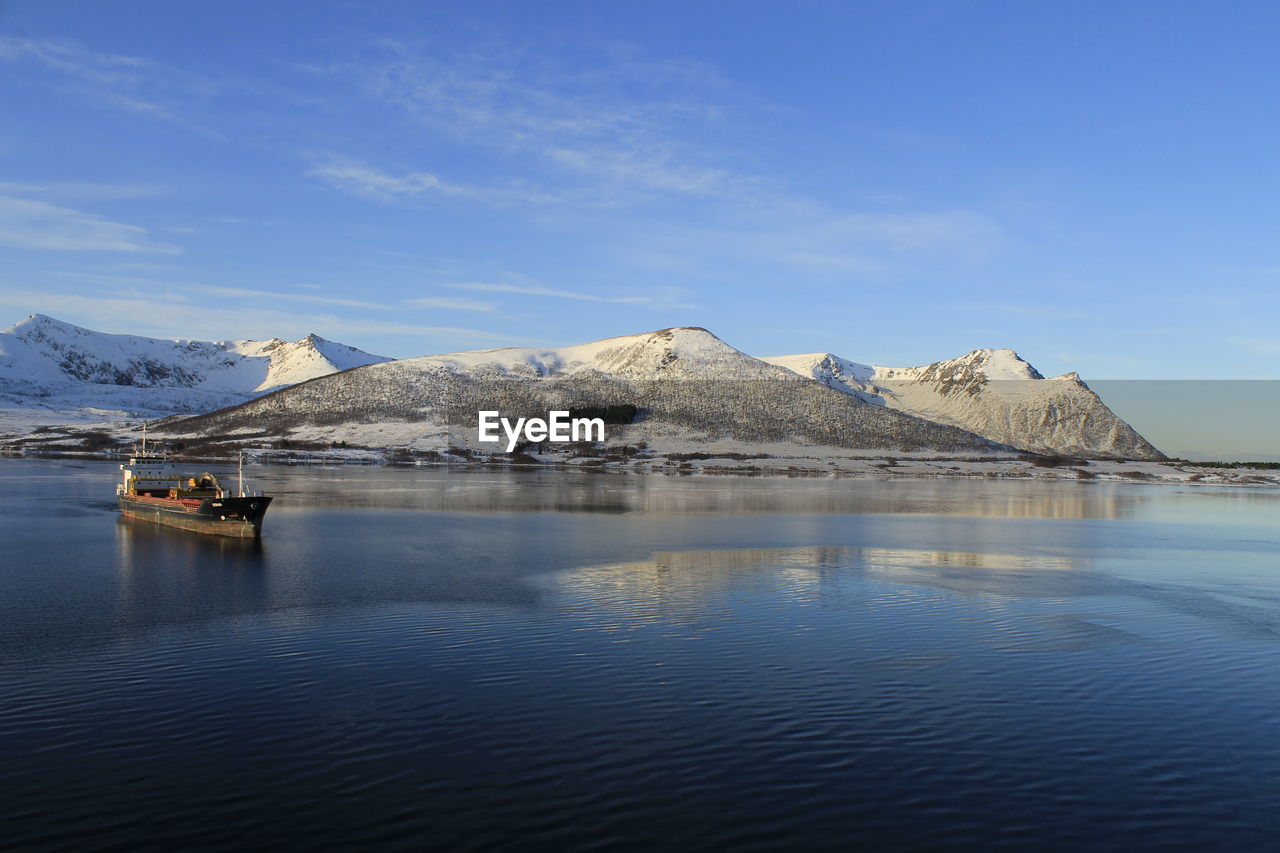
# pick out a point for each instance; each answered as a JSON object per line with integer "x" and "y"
{"x": 51, "y": 364}
{"x": 55, "y": 350}
{"x": 994, "y": 393}
{"x": 686, "y": 386}
{"x": 983, "y": 399}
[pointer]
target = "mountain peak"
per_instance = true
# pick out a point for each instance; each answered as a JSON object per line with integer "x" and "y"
{"x": 41, "y": 320}
{"x": 676, "y": 352}
{"x": 831, "y": 370}
{"x": 678, "y": 333}
{"x": 970, "y": 392}
{"x": 1002, "y": 363}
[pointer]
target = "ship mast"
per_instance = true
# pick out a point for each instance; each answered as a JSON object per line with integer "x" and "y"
{"x": 144, "y": 438}
{"x": 240, "y": 474}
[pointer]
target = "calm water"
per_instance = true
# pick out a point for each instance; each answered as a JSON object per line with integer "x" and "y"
{"x": 418, "y": 658}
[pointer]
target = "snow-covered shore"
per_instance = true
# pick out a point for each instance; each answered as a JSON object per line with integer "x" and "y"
{"x": 778, "y": 461}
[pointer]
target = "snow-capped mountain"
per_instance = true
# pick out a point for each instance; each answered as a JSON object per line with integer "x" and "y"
{"x": 991, "y": 392}
{"x": 52, "y": 365}
{"x": 688, "y": 353}
{"x": 685, "y": 384}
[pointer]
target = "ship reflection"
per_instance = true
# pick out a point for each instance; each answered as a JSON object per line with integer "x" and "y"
{"x": 142, "y": 541}
{"x": 168, "y": 576}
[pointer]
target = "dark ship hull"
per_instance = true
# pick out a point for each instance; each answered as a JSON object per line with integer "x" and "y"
{"x": 239, "y": 517}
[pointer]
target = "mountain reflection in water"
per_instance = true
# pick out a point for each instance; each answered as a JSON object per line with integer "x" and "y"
{"x": 470, "y": 490}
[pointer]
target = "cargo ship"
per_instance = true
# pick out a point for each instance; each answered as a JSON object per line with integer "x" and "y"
{"x": 151, "y": 490}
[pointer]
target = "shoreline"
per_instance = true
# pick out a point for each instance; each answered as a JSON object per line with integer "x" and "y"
{"x": 732, "y": 464}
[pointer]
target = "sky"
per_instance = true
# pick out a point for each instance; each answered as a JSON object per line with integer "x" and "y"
{"x": 1093, "y": 184}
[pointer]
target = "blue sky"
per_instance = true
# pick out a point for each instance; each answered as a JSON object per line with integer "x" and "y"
{"x": 1092, "y": 184}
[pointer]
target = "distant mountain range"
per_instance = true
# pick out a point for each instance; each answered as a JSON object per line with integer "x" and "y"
{"x": 55, "y": 366}
{"x": 686, "y": 387}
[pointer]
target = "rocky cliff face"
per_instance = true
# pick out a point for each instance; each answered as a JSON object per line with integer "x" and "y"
{"x": 991, "y": 392}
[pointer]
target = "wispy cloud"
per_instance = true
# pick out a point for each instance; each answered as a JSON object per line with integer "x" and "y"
{"x": 249, "y": 293}
{"x": 164, "y": 288}
{"x": 142, "y": 284}
{"x": 953, "y": 232}
{"x": 236, "y": 220}
{"x": 812, "y": 239}
{"x": 74, "y": 59}
{"x": 79, "y": 192}
{"x": 834, "y": 260}
{"x": 536, "y": 290}
{"x": 509, "y": 98}
{"x": 448, "y": 304}
{"x": 617, "y": 134}
{"x": 651, "y": 167}
{"x": 365, "y": 181}
{"x": 1021, "y": 310}
{"x": 130, "y": 84}
{"x": 635, "y": 136}
{"x": 144, "y": 267}
{"x": 33, "y": 224}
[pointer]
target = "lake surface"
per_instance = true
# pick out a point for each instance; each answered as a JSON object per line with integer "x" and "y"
{"x": 423, "y": 658}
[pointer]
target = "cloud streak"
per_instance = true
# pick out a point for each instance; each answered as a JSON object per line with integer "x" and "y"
{"x": 247, "y": 293}
{"x": 630, "y": 138}
{"x": 535, "y": 290}
{"x": 79, "y": 192}
{"x": 129, "y": 84}
{"x": 367, "y": 182}
{"x": 615, "y": 148}
{"x": 953, "y": 232}
{"x": 447, "y": 304}
{"x": 33, "y": 224}
{"x": 71, "y": 58}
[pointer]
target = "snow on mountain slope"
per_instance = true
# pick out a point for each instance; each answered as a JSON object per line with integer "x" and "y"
{"x": 291, "y": 362}
{"x": 690, "y": 353}
{"x": 833, "y": 371}
{"x": 52, "y": 365}
{"x": 991, "y": 392}
{"x": 682, "y": 382}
